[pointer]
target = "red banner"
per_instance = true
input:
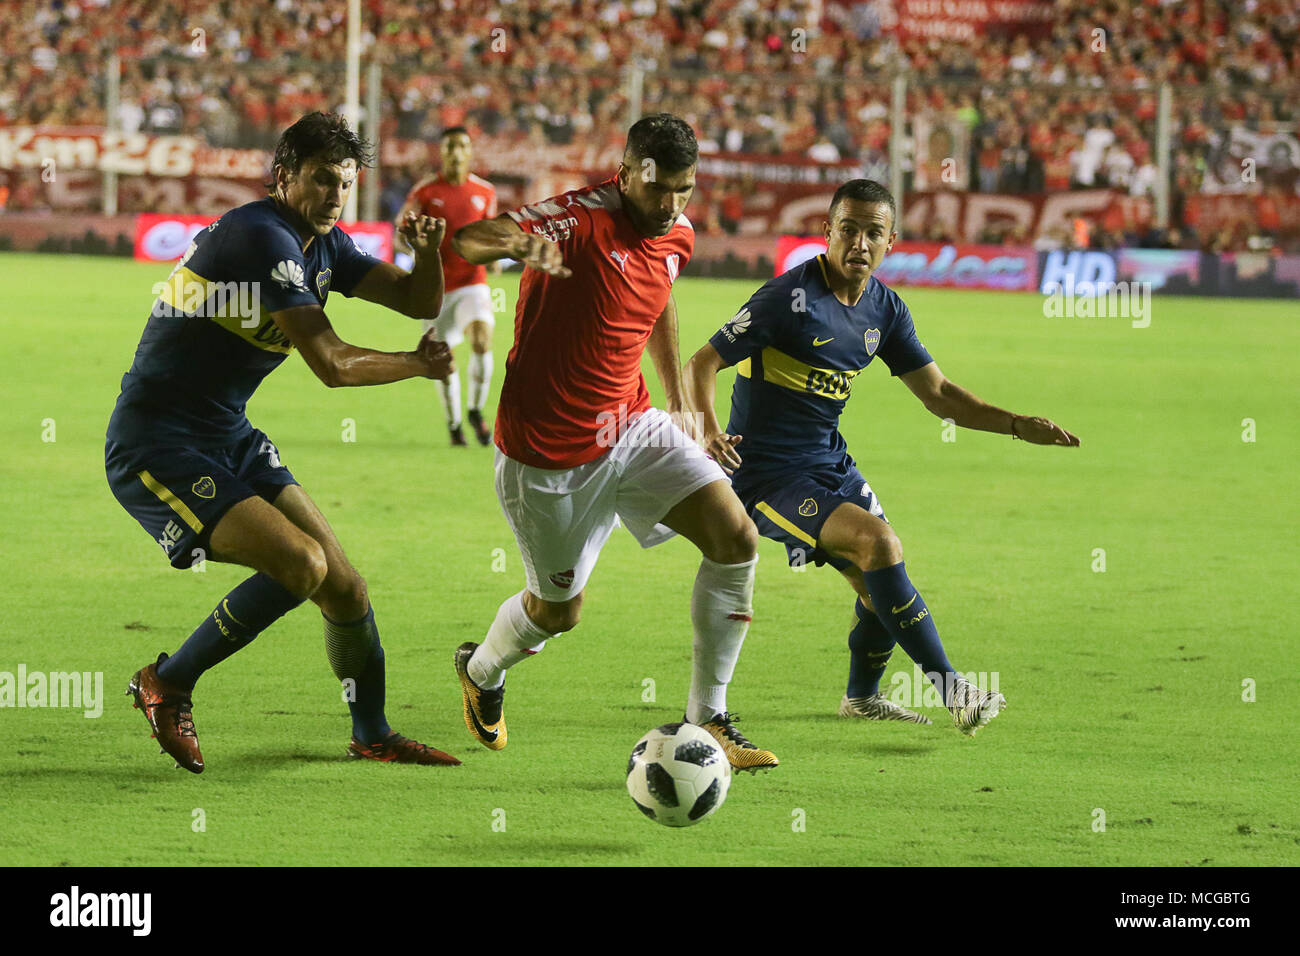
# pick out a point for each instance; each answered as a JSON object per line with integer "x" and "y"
{"x": 965, "y": 19}
{"x": 1277, "y": 213}
{"x": 161, "y": 238}
{"x": 974, "y": 217}
{"x": 54, "y": 149}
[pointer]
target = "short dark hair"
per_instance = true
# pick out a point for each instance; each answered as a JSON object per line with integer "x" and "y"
{"x": 326, "y": 136}
{"x": 452, "y": 131}
{"x": 864, "y": 190}
{"x": 664, "y": 138}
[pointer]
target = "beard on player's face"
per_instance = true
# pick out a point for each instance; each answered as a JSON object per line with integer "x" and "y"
{"x": 652, "y": 202}
{"x": 318, "y": 191}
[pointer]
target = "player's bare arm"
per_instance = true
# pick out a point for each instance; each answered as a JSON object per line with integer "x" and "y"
{"x": 416, "y": 294}
{"x": 502, "y": 238}
{"x": 700, "y": 377}
{"x": 948, "y": 400}
{"x": 663, "y": 349}
{"x": 338, "y": 364}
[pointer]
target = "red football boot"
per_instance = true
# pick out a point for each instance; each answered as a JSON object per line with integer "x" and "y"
{"x": 398, "y": 749}
{"x": 170, "y": 714}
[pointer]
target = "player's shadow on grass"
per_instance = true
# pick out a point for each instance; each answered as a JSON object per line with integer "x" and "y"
{"x": 540, "y": 850}
{"x": 898, "y": 747}
{"x": 284, "y": 758}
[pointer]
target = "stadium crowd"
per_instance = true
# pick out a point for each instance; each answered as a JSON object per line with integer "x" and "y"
{"x": 1073, "y": 108}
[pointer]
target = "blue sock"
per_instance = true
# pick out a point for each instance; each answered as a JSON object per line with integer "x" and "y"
{"x": 904, "y": 614}
{"x": 870, "y": 646}
{"x": 241, "y": 615}
{"x": 349, "y": 642}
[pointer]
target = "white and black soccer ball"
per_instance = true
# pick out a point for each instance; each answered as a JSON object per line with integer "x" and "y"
{"x": 678, "y": 775}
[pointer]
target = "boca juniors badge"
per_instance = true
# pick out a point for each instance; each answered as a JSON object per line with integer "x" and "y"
{"x": 323, "y": 282}
{"x": 808, "y": 508}
{"x": 872, "y": 339}
{"x": 204, "y": 488}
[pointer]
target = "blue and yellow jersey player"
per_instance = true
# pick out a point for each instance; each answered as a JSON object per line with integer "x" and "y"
{"x": 798, "y": 344}
{"x": 184, "y": 461}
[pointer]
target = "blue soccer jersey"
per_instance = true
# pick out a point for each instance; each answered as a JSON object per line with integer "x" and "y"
{"x": 210, "y": 339}
{"x": 797, "y": 350}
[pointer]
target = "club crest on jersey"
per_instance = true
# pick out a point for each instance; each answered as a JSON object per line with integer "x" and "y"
{"x": 872, "y": 339}
{"x": 323, "y": 282}
{"x": 478, "y": 202}
{"x": 205, "y": 488}
{"x": 563, "y": 579}
{"x": 672, "y": 262}
{"x": 808, "y": 508}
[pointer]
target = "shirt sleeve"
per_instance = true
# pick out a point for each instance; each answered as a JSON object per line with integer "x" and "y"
{"x": 350, "y": 264}
{"x": 560, "y": 219}
{"x": 274, "y": 260}
{"x": 757, "y": 325}
{"x": 901, "y": 350}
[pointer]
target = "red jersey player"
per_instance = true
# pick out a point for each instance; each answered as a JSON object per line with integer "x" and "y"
{"x": 458, "y": 196}
{"x": 578, "y": 446}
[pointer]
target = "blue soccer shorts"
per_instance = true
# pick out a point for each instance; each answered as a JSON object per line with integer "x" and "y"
{"x": 792, "y": 509}
{"x": 179, "y": 494}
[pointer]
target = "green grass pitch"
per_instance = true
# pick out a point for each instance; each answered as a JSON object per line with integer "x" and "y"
{"x": 1126, "y": 686}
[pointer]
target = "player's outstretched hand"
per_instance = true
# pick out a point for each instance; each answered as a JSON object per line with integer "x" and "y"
{"x": 1041, "y": 431}
{"x": 438, "y": 360}
{"x": 422, "y": 233}
{"x": 722, "y": 449}
{"x": 542, "y": 254}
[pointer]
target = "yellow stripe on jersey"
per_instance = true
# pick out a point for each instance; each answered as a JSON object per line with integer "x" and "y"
{"x": 234, "y": 306}
{"x": 788, "y": 372}
{"x": 169, "y": 499}
{"x": 821, "y": 264}
{"x": 785, "y": 524}
{"x": 743, "y": 368}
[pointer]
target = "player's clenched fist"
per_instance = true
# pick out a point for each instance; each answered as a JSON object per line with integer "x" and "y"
{"x": 721, "y": 447}
{"x": 542, "y": 254}
{"x": 438, "y": 361}
{"x": 422, "y": 233}
{"x": 1041, "y": 431}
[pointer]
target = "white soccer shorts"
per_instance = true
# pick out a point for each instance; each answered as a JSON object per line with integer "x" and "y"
{"x": 460, "y": 307}
{"x": 562, "y": 519}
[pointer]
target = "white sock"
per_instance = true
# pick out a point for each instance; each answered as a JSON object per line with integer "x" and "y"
{"x": 451, "y": 398}
{"x": 480, "y": 377}
{"x": 721, "y": 609}
{"x": 512, "y": 637}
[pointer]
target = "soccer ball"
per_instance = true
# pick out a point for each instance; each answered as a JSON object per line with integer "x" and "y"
{"x": 678, "y": 775}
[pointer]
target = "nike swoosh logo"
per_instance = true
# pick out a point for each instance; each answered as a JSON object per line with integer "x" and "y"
{"x": 900, "y": 610}
{"x": 817, "y": 341}
{"x": 232, "y": 617}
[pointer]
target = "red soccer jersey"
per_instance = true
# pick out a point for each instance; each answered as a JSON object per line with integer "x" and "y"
{"x": 471, "y": 201}
{"x": 573, "y": 377}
